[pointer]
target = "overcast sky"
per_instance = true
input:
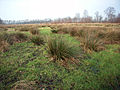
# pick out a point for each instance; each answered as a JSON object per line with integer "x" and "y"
{"x": 41, "y": 9}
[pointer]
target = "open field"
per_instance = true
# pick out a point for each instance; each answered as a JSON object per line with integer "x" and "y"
{"x": 73, "y": 56}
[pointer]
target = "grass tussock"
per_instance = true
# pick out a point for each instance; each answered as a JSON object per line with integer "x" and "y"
{"x": 4, "y": 46}
{"x": 54, "y": 31}
{"x": 11, "y": 38}
{"x": 113, "y": 37}
{"x": 118, "y": 50}
{"x": 34, "y": 31}
{"x": 60, "y": 49}
{"x": 60, "y": 64}
{"x": 23, "y": 28}
{"x": 37, "y": 40}
{"x": 91, "y": 42}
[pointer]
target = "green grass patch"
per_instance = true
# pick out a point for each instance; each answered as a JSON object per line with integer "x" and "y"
{"x": 26, "y": 66}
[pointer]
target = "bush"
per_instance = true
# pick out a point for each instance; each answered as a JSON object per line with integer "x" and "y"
{"x": 60, "y": 49}
{"x": 37, "y": 40}
{"x": 34, "y": 31}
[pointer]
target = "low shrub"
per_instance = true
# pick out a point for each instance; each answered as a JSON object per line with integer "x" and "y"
{"x": 38, "y": 40}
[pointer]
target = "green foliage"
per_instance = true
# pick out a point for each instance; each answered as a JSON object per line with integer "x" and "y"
{"x": 28, "y": 66}
{"x": 18, "y": 56}
{"x": 101, "y": 71}
{"x": 38, "y": 40}
{"x": 59, "y": 48}
{"x": 107, "y": 66}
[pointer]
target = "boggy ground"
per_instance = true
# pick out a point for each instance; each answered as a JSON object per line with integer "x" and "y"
{"x": 36, "y": 61}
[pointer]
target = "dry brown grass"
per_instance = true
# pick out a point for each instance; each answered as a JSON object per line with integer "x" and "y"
{"x": 118, "y": 50}
{"x": 4, "y": 46}
{"x": 7, "y": 39}
{"x": 91, "y": 42}
{"x": 34, "y": 31}
{"x": 111, "y": 33}
{"x": 113, "y": 37}
{"x": 24, "y": 85}
{"x": 93, "y": 38}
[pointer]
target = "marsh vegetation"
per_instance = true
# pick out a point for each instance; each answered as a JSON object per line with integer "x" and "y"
{"x": 71, "y": 56}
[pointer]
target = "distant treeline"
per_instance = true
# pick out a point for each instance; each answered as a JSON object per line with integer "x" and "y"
{"x": 110, "y": 17}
